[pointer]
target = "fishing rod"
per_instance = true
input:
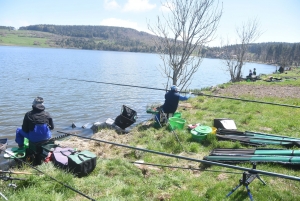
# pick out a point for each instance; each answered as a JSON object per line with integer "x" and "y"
{"x": 184, "y": 168}
{"x": 4, "y": 177}
{"x": 5, "y": 198}
{"x": 10, "y": 172}
{"x": 172, "y": 130}
{"x": 197, "y": 94}
{"x": 254, "y": 171}
{"x": 246, "y": 100}
{"x": 71, "y": 188}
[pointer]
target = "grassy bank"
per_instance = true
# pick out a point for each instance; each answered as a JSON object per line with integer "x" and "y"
{"x": 27, "y": 38}
{"x": 116, "y": 178}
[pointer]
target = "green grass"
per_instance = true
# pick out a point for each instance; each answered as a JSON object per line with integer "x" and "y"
{"x": 25, "y": 38}
{"x": 119, "y": 179}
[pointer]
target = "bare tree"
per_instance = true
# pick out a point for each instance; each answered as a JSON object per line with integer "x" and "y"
{"x": 235, "y": 55}
{"x": 181, "y": 36}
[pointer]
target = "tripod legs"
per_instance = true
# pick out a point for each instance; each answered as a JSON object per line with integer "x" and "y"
{"x": 246, "y": 180}
{"x": 234, "y": 189}
{"x": 260, "y": 179}
{"x": 248, "y": 191}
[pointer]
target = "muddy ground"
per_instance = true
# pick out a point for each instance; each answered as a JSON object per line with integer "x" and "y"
{"x": 259, "y": 91}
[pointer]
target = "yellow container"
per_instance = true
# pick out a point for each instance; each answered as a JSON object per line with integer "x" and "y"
{"x": 214, "y": 130}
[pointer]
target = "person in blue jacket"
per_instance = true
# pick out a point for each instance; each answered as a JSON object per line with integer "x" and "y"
{"x": 172, "y": 99}
{"x": 37, "y": 124}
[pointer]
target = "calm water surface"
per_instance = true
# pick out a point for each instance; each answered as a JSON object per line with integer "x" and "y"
{"x": 29, "y": 72}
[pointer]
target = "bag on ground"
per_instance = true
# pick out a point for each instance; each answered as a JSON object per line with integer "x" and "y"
{"x": 82, "y": 163}
{"x": 60, "y": 156}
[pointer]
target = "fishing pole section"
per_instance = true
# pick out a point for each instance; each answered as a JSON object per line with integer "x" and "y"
{"x": 7, "y": 176}
{"x": 196, "y": 94}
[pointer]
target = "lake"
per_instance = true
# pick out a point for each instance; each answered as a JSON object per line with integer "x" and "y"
{"x": 29, "y": 72}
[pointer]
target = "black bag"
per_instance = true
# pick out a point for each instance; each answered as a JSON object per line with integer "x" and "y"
{"x": 126, "y": 118}
{"x": 82, "y": 163}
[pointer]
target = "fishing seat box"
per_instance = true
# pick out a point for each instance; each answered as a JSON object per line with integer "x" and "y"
{"x": 34, "y": 152}
{"x": 224, "y": 123}
{"x": 126, "y": 118}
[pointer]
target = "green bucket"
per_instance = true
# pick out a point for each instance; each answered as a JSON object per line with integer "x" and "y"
{"x": 177, "y": 114}
{"x": 200, "y": 133}
{"x": 176, "y": 123}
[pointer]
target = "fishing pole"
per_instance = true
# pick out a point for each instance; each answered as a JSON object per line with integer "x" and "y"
{"x": 246, "y": 100}
{"x": 184, "y": 168}
{"x": 10, "y": 172}
{"x": 5, "y": 198}
{"x": 50, "y": 177}
{"x": 193, "y": 159}
{"x": 172, "y": 130}
{"x": 197, "y": 94}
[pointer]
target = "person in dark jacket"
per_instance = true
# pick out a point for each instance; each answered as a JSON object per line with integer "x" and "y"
{"x": 172, "y": 99}
{"x": 37, "y": 124}
{"x": 281, "y": 69}
{"x": 250, "y": 74}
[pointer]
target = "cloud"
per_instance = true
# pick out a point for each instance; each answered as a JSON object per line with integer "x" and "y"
{"x": 111, "y": 5}
{"x": 124, "y": 23}
{"x": 138, "y": 6}
{"x": 120, "y": 23}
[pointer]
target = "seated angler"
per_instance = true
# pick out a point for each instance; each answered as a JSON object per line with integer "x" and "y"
{"x": 37, "y": 124}
{"x": 172, "y": 99}
{"x": 250, "y": 74}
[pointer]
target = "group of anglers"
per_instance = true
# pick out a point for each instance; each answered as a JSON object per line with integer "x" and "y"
{"x": 37, "y": 123}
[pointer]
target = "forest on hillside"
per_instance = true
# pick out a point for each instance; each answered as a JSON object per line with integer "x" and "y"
{"x": 283, "y": 54}
{"x": 130, "y": 40}
{"x": 99, "y": 37}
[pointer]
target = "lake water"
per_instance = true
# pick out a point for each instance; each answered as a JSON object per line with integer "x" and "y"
{"x": 29, "y": 72}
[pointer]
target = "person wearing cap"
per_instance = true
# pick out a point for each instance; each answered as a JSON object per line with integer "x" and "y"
{"x": 170, "y": 105}
{"x": 250, "y": 73}
{"x": 254, "y": 71}
{"x": 37, "y": 124}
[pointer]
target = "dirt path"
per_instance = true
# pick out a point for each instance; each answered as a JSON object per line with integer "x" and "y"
{"x": 259, "y": 91}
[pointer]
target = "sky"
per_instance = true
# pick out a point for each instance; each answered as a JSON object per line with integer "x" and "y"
{"x": 278, "y": 19}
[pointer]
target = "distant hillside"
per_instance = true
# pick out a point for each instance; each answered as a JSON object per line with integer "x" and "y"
{"x": 130, "y": 40}
{"x": 98, "y": 37}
